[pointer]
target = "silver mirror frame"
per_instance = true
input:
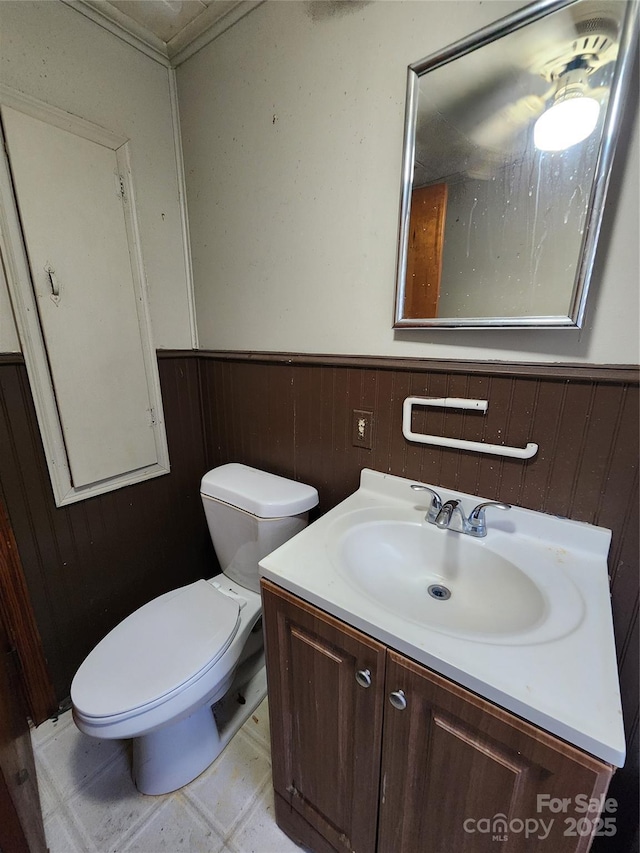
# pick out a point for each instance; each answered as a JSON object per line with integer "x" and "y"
{"x": 531, "y": 13}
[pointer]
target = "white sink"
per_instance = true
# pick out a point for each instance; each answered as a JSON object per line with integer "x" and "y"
{"x": 528, "y": 623}
{"x": 453, "y": 583}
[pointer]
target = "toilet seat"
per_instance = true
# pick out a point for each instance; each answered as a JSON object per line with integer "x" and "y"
{"x": 156, "y": 652}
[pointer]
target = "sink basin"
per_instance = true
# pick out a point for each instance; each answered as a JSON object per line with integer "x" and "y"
{"x": 528, "y": 622}
{"x": 453, "y": 583}
{"x": 398, "y": 562}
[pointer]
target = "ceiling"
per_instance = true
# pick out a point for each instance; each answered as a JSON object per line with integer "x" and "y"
{"x": 165, "y": 18}
{"x": 172, "y": 29}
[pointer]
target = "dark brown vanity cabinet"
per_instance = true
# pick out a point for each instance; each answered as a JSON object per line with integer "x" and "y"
{"x": 375, "y": 753}
{"x": 326, "y": 729}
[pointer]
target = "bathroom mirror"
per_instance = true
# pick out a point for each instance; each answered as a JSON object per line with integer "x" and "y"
{"x": 509, "y": 141}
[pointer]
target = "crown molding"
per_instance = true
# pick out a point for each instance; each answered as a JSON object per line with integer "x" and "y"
{"x": 122, "y": 26}
{"x": 207, "y": 27}
{"x": 211, "y": 23}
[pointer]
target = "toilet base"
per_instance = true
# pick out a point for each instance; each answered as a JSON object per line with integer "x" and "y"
{"x": 173, "y": 756}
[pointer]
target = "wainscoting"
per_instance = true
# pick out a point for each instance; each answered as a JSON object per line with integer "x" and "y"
{"x": 293, "y": 416}
{"x": 90, "y": 564}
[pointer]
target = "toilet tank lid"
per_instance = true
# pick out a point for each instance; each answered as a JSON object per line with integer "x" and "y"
{"x": 258, "y": 492}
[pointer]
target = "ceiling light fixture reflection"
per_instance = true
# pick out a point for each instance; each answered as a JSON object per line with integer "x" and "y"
{"x": 572, "y": 117}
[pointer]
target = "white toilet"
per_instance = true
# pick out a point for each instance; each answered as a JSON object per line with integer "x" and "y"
{"x": 183, "y": 673}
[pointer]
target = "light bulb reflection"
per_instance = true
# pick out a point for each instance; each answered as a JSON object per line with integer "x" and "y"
{"x": 566, "y": 123}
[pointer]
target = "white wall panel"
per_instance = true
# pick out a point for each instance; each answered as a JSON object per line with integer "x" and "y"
{"x": 84, "y": 274}
{"x": 292, "y": 132}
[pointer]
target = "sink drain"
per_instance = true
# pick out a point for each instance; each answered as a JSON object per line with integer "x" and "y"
{"x": 436, "y": 590}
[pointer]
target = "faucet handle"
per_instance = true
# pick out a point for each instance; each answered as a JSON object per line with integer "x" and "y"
{"x": 436, "y": 500}
{"x": 477, "y": 520}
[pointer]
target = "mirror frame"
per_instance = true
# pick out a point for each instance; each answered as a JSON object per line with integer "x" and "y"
{"x": 595, "y": 211}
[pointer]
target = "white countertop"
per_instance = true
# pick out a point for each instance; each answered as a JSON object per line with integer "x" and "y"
{"x": 567, "y": 685}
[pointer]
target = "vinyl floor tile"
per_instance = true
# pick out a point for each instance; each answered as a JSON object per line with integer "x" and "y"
{"x": 72, "y": 758}
{"x": 63, "y": 837}
{"x": 259, "y": 833}
{"x": 175, "y": 828}
{"x": 91, "y": 804}
{"x": 230, "y": 786}
{"x": 110, "y": 807}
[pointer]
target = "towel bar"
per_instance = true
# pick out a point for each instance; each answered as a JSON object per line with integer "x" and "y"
{"x": 441, "y": 441}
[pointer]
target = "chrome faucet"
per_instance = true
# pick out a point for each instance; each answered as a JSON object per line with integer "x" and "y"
{"x": 436, "y": 502}
{"x": 451, "y": 517}
{"x": 477, "y": 522}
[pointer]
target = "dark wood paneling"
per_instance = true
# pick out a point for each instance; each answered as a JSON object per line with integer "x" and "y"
{"x": 90, "y": 564}
{"x": 616, "y": 372}
{"x": 16, "y": 614}
{"x": 584, "y": 418}
{"x": 21, "y": 827}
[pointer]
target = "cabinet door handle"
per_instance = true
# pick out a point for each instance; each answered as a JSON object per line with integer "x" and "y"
{"x": 363, "y": 677}
{"x": 398, "y": 700}
{"x": 53, "y": 283}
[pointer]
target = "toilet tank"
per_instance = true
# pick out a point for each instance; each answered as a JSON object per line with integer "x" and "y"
{"x": 251, "y": 513}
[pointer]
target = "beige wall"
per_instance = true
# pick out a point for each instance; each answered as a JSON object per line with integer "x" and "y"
{"x": 51, "y": 52}
{"x": 292, "y": 131}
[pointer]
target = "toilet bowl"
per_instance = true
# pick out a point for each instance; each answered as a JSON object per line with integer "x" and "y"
{"x": 181, "y": 674}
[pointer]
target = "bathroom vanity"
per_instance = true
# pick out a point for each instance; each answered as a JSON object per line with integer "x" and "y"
{"x": 367, "y": 744}
{"x": 396, "y": 735}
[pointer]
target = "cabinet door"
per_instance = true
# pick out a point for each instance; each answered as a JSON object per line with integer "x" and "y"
{"x": 460, "y": 774}
{"x": 325, "y": 727}
{"x": 94, "y": 351}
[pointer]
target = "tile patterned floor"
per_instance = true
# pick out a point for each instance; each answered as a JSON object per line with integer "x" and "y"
{"x": 90, "y": 804}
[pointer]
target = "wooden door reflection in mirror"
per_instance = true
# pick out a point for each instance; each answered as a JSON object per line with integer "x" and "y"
{"x": 424, "y": 251}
